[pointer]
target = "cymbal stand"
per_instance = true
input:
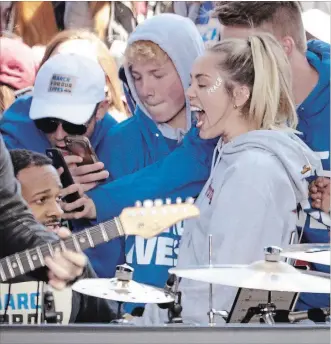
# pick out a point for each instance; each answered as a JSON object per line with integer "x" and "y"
{"x": 124, "y": 274}
{"x": 212, "y": 312}
{"x": 266, "y": 312}
{"x": 175, "y": 308}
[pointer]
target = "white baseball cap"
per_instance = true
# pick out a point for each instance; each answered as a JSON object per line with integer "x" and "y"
{"x": 68, "y": 87}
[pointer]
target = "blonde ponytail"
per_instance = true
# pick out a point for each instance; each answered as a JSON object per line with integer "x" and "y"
{"x": 260, "y": 63}
{"x": 272, "y": 100}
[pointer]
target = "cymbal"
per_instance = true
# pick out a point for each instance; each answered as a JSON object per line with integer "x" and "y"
{"x": 313, "y": 253}
{"x": 122, "y": 291}
{"x": 263, "y": 275}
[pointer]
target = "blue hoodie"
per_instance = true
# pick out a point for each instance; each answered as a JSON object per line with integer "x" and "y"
{"x": 193, "y": 157}
{"x": 139, "y": 142}
{"x": 19, "y": 131}
{"x": 314, "y": 123}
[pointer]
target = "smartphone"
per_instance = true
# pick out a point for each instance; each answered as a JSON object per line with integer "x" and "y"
{"x": 66, "y": 177}
{"x": 81, "y": 146}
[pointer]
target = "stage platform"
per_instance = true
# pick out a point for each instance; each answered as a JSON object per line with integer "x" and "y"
{"x": 175, "y": 334}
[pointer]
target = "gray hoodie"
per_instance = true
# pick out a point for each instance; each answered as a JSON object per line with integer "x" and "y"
{"x": 181, "y": 40}
{"x": 248, "y": 202}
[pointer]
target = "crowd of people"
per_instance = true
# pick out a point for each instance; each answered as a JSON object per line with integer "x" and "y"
{"x": 226, "y": 102}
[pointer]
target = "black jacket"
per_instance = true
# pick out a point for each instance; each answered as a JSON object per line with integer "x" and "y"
{"x": 20, "y": 231}
{"x": 18, "y": 228}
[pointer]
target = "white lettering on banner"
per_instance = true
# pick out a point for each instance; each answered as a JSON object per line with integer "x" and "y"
{"x": 23, "y": 306}
{"x": 144, "y": 255}
{"x": 166, "y": 248}
{"x": 164, "y": 251}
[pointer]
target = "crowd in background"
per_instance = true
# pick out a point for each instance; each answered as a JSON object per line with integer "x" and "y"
{"x": 148, "y": 148}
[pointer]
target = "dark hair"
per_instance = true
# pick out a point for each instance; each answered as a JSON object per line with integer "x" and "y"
{"x": 23, "y": 158}
{"x": 284, "y": 17}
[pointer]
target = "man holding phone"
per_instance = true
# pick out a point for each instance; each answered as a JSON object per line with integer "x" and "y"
{"x": 69, "y": 99}
{"x": 42, "y": 191}
{"x": 20, "y": 231}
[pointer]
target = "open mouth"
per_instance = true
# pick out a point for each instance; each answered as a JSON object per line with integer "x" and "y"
{"x": 200, "y": 115}
{"x": 63, "y": 150}
{"x": 53, "y": 226}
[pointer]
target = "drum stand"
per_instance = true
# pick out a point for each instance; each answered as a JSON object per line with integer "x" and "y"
{"x": 175, "y": 308}
{"x": 212, "y": 312}
{"x": 266, "y": 311}
{"x": 124, "y": 275}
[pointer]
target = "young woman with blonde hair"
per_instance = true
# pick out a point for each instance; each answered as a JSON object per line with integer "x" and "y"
{"x": 241, "y": 91}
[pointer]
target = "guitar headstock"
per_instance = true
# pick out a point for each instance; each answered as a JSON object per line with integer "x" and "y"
{"x": 150, "y": 218}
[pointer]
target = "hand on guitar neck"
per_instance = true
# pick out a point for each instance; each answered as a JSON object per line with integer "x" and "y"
{"x": 147, "y": 220}
{"x": 64, "y": 266}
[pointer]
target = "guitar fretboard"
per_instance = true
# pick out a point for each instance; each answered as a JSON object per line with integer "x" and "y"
{"x": 29, "y": 260}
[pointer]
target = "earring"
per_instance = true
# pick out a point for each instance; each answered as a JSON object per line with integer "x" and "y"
{"x": 235, "y": 106}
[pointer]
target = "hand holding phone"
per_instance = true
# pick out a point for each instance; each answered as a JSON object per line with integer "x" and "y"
{"x": 72, "y": 209}
{"x": 88, "y": 170}
{"x": 65, "y": 177}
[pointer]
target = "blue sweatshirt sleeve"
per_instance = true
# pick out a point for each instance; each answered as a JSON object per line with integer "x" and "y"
{"x": 11, "y": 142}
{"x": 181, "y": 174}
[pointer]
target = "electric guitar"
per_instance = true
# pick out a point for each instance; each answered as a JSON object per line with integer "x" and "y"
{"x": 146, "y": 221}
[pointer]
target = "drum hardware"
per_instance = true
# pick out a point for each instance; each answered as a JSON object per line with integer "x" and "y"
{"x": 269, "y": 274}
{"x": 122, "y": 289}
{"x": 266, "y": 312}
{"x": 317, "y": 315}
{"x": 124, "y": 274}
{"x": 313, "y": 253}
{"x": 212, "y": 312}
{"x": 174, "y": 308}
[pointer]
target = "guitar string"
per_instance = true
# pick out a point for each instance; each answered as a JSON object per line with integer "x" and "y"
{"x": 45, "y": 250}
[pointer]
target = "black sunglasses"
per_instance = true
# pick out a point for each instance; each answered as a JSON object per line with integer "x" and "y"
{"x": 50, "y": 125}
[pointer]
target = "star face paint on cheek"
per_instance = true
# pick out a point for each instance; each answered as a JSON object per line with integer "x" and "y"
{"x": 217, "y": 84}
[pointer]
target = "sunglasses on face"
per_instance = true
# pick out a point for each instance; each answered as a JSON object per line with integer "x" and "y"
{"x": 50, "y": 125}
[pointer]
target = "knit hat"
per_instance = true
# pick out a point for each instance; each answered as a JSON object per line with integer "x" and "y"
{"x": 17, "y": 64}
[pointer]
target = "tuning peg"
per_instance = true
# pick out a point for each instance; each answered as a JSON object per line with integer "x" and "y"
{"x": 178, "y": 200}
{"x": 158, "y": 202}
{"x": 138, "y": 204}
{"x": 148, "y": 203}
{"x": 189, "y": 200}
{"x": 168, "y": 201}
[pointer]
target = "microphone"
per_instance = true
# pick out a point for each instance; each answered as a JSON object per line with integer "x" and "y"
{"x": 170, "y": 283}
{"x": 168, "y": 290}
{"x": 49, "y": 312}
{"x": 315, "y": 314}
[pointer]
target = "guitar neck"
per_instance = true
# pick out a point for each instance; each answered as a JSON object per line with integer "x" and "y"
{"x": 29, "y": 260}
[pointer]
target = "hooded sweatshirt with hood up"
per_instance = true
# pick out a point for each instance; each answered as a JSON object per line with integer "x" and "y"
{"x": 314, "y": 123}
{"x": 139, "y": 142}
{"x": 193, "y": 161}
{"x": 249, "y": 202}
